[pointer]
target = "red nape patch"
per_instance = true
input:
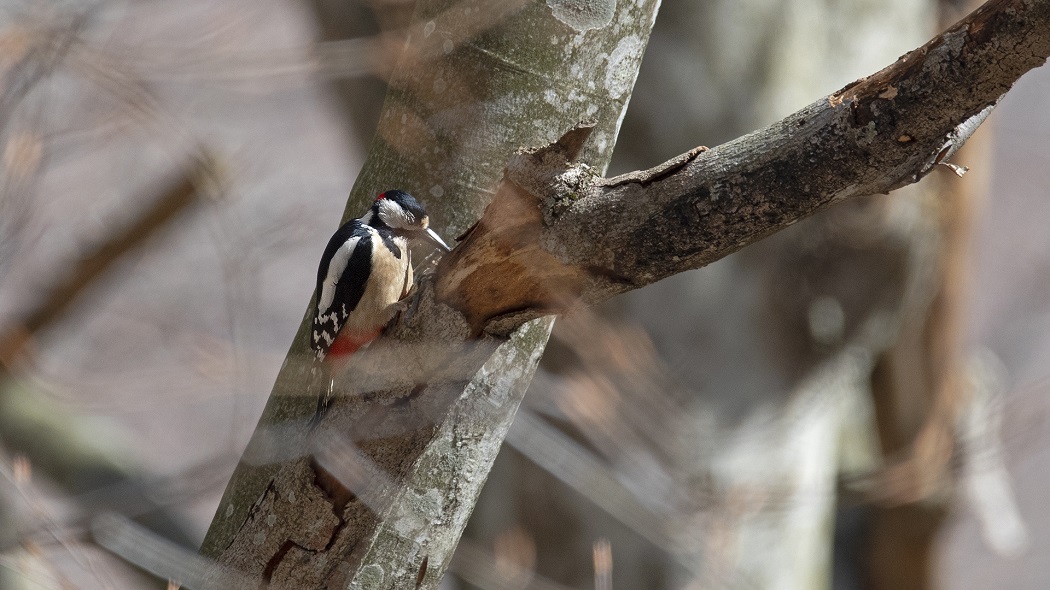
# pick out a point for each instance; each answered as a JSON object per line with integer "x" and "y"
{"x": 381, "y": 196}
{"x": 347, "y": 343}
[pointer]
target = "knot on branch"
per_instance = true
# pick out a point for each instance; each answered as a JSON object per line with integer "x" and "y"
{"x": 550, "y": 173}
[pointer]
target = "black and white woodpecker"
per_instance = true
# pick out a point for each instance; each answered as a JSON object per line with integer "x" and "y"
{"x": 364, "y": 271}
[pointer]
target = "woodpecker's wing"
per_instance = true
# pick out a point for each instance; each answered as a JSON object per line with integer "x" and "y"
{"x": 341, "y": 280}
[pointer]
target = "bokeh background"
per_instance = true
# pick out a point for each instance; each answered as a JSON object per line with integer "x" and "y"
{"x": 172, "y": 171}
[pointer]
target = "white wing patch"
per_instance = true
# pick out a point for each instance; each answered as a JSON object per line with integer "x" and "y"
{"x": 335, "y": 270}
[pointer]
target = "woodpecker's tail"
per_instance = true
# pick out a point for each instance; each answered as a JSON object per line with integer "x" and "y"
{"x": 333, "y": 361}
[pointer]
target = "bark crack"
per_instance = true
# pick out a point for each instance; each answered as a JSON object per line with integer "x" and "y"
{"x": 271, "y": 565}
{"x": 338, "y": 495}
{"x": 646, "y": 177}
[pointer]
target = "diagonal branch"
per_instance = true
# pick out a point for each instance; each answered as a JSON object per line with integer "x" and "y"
{"x": 556, "y": 233}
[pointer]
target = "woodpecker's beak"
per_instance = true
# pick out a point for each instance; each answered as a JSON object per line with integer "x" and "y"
{"x": 433, "y": 238}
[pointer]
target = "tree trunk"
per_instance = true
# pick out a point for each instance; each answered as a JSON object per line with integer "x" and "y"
{"x": 478, "y": 80}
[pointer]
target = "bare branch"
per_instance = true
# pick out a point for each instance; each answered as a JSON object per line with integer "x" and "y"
{"x": 555, "y": 233}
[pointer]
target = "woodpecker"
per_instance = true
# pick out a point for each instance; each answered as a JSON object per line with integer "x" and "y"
{"x": 364, "y": 271}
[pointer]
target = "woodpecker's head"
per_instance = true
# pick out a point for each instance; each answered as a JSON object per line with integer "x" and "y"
{"x": 401, "y": 212}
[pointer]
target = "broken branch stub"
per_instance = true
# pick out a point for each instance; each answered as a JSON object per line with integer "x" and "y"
{"x": 500, "y": 276}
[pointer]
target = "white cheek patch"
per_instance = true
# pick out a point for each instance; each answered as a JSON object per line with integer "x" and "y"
{"x": 395, "y": 216}
{"x": 335, "y": 270}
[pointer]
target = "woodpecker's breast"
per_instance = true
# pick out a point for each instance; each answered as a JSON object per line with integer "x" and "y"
{"x": 389, "y": 280}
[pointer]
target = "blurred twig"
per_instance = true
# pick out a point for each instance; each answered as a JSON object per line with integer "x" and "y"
{"x": 603, "y": 564}
{"x": 172, "y": 199}
{"x": 73, "y": 453}
{"x": 161, "y": 557}
{"x": 565, "y": 460}
{"x": 136, "y": 499}
{"x": 481, "y": 568}
{"x": 41, "y": 52}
